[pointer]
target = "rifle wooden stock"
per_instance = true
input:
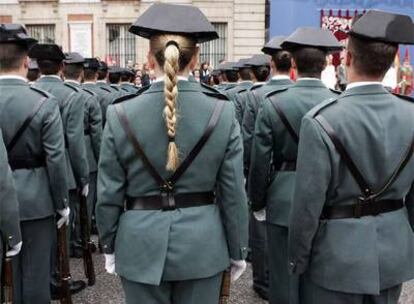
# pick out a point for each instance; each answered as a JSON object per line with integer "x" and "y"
{"x": 64, "y": 270}
{"x": 86, "y": 242}
{"x": 7, "y": 284}
{"x": 225, "y": 287}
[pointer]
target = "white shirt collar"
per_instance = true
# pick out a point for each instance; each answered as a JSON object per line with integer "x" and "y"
{"x": 362, "y": 83}
{"x": 89, "y": 82}
{"x": 51, "y": 76}
{"x": 308, "y": 78}
{"x": 100, "y": 81}
{"x": 280, "y": 77}
{"x": 159, "y": 79}
{"x": 72, "y": 81}
{"x": 13, "y": 77}
{"x": 246, "y": 81}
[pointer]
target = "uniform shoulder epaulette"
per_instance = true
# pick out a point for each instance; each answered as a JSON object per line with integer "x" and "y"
{"x": 278, "y": 90}
{"x": 335, "y": 91}
{"x": 217, "y": 95}
{"x": 71, "y": 87}
{"x": 124, "y": 98}
{"x": 322, "y": 106}
{"x": 89, "y": 91}
{"x": 209, "y": 88}
{"x": 142, "y": 90}
{"x": 407, "y": 98}
{"x": 41, "y": 92}
{"x": 256, "y": 86}
{"x": 105, "y": 89}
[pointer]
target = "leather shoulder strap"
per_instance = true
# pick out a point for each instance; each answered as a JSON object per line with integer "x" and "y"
{"x": 363, "y": 185}
{"x": 215, "y": 116}
{"x": 403, "y": 163}
{"x": 25, "y": 124}
{"x": 285, "y": 121}
{"x": 105, "y": 89}
{"x": 357, "y": 175}
{"x": 123, "y": 119}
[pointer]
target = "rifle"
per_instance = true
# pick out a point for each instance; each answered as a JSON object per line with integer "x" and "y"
{"x": 63, "y": 260}
{"x": 7, "y": 279}
{"x": 87, "y": 244}
{"x": 225, "y": 287}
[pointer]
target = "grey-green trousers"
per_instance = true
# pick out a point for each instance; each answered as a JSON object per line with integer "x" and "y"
{"x": 31, "y": 268}
{"x": 310, "y": 293}
{"x": 283, "y": 288}
{"x": 201, "y": 291}
{"x": 258, "y": 246}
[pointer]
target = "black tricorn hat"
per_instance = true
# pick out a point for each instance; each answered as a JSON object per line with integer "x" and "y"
{"x": 47, "y": 52}
{"x": 260, "y": 60}
{"x": 274, "y": 45}
{"x": 243, "y": 64}
{"x": 384, "y": 27}
{"x": 15, "y": 33}
{"x": 92, "y": 64}
{"x": 103, "y": 66}
{"x": 74, "y": 58}
{"x": 115, "y": 70}
{"x": 319, "y": 38}
{"x": 161, "y": 18}
{"x": 33, "y": 64}
{"x": 227, "y": 66}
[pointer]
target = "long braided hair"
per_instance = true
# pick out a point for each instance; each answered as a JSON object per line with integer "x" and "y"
{"x": 173, "y": 53}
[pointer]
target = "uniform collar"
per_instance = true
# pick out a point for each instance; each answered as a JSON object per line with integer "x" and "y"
{"x": 362, "y": 83}
{"x": 183, "y": 85}
{"x": 280, "y": 77}
{"x": 90, "y": 82}
{"x": 50, "y": 77}
{"x": 73, "y": 81}
{"x": 14, "y": 77}
{"x": 309, "y": 82}
{"x": 366, "y": 89}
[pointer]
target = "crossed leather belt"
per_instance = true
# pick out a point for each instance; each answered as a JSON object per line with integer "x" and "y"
{"x": 27, "y": 163}
{"x": 168, "y": 201}
{"x": 288, "y": 166}
{"x": 361, "y": 209}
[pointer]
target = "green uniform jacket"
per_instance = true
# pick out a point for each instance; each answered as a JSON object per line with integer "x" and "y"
{"x": 269, "y": 188}
{"x": 372, "y": 253}
{"x": 71, "y": 105}
{"x": 40, "y": 191}
{"x": 255, "y": 96}
{"x": 107, "y": 95}
{"x": 92, "y": 123}
{"x": 184, "y": 244}
{"x": 128, "y": 88}
{"x": 9, "y": 206}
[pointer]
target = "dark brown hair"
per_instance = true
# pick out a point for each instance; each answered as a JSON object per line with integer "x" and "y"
{"x": 371, "y": 58}
{"x": 282, "y": 61}
{"x": 11, "y": 56}
{"x": 310, "y": 62}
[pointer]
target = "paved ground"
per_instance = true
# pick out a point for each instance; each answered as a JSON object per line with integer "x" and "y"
{"x": 108, "y": 290}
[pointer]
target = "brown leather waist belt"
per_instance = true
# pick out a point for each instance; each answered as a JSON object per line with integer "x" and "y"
{"x": 169, "y": 201}
{"x": 288, "y": 166}
{"x": 29, "y": 163}
{"x": 361, "y": 209}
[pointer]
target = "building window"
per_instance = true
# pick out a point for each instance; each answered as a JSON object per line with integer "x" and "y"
{"x": 216, "y": 50}
{"x": 120, "y": 46}
{"x": 44, "y": 33}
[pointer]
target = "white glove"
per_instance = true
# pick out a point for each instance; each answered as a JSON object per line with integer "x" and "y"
{"x": 260, "y": 215}
{"x": 237, "y": 268}
{"x": 110, "y": 263}
{"x": 85, "y": 190}
{"x": 64, "y": 213}
{"x": 15, "y": 250}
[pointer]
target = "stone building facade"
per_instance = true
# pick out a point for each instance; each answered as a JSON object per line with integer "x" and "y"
{"x": 100, "y": 27}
